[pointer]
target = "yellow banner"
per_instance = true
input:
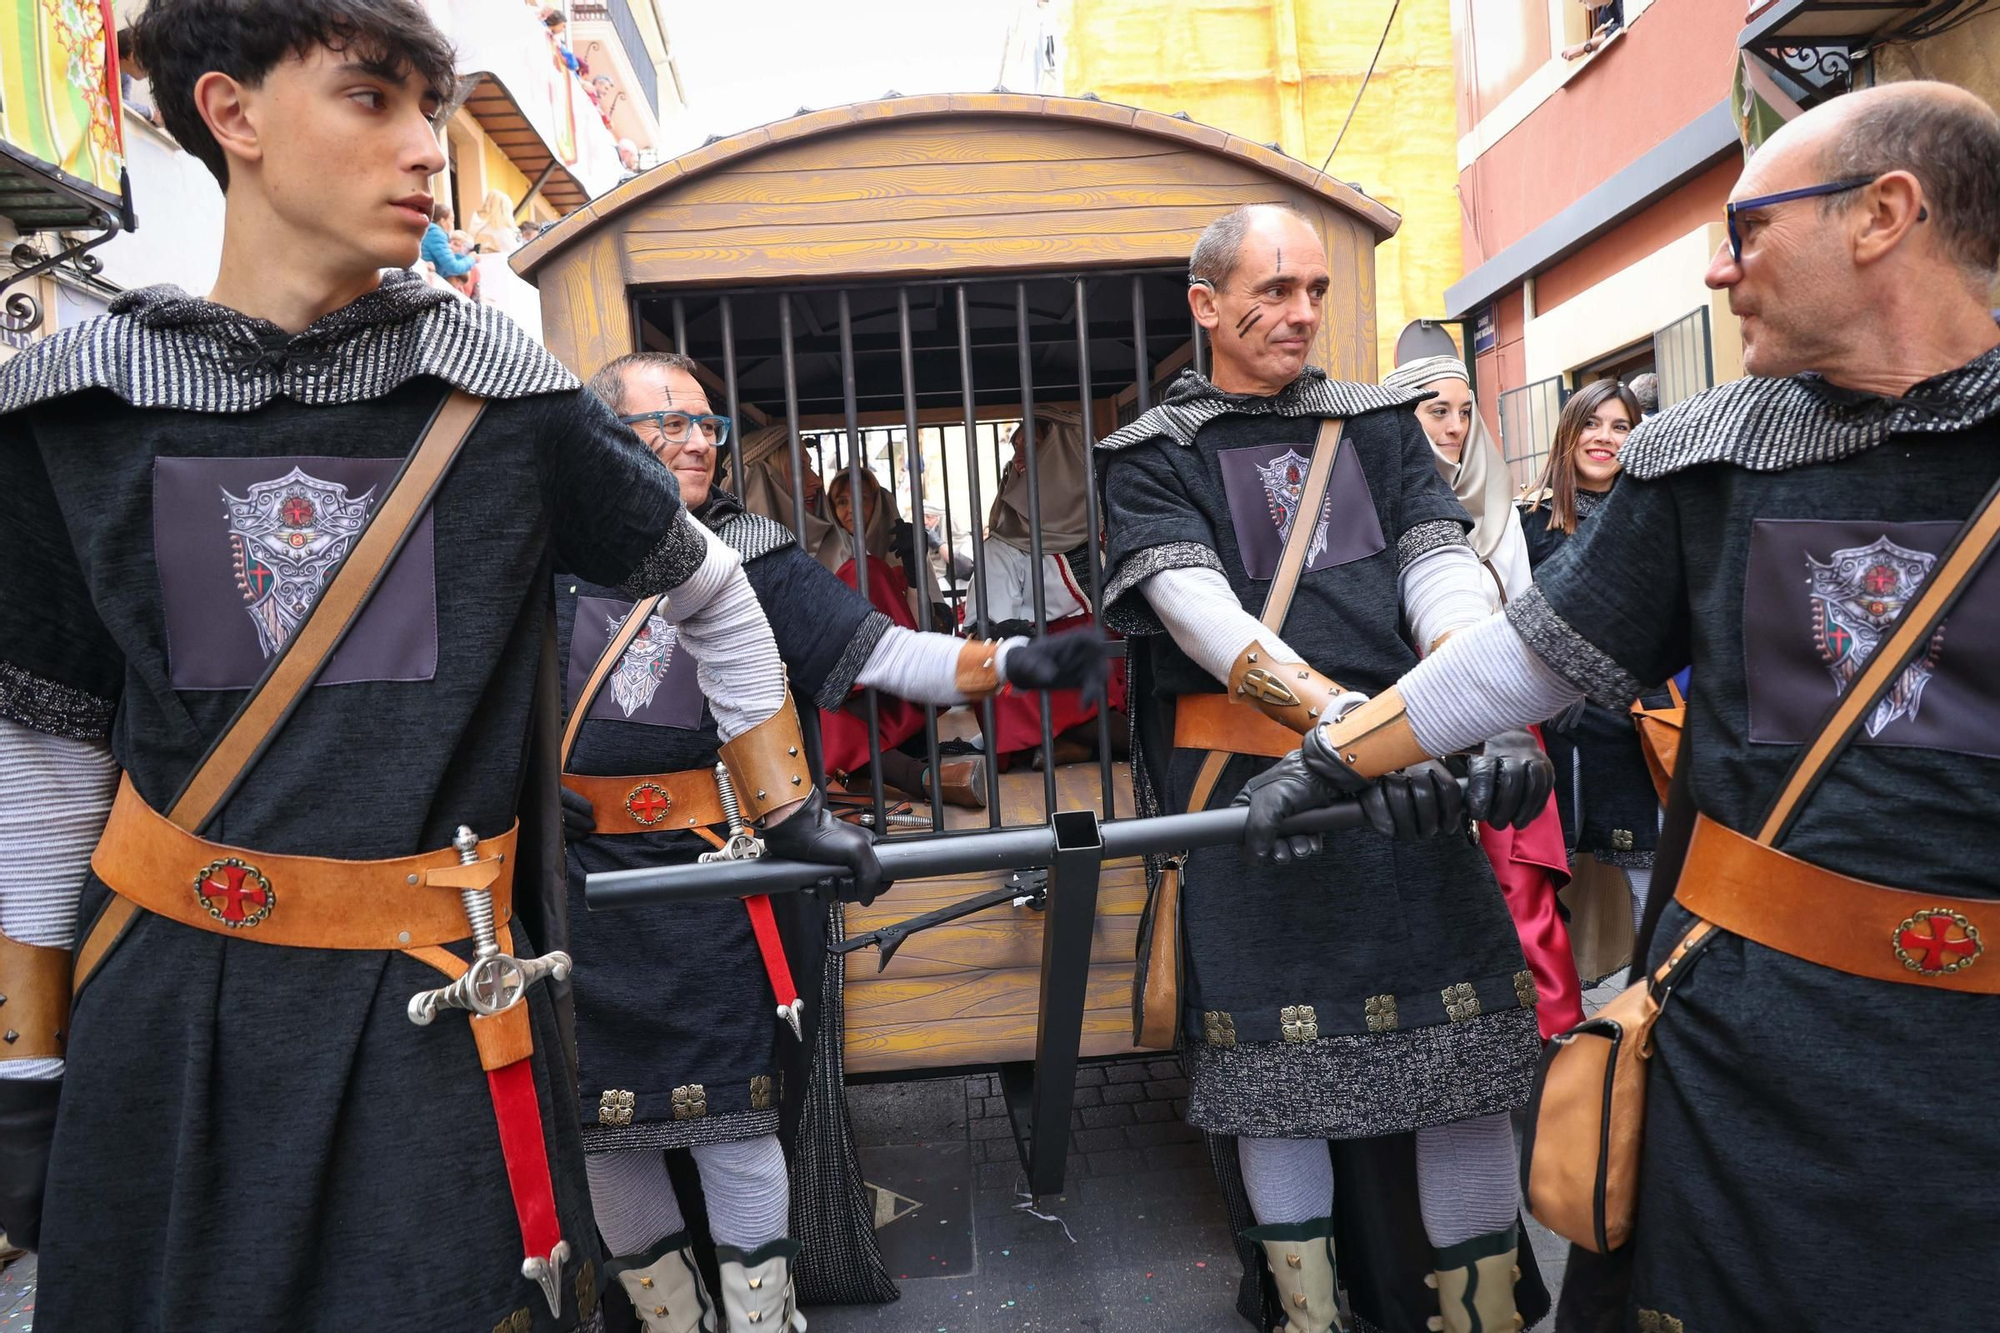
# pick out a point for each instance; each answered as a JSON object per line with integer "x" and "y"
{"x": 59, "y": 87}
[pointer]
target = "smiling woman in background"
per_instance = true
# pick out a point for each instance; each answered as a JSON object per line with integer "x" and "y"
{"x": 1597, "y": 751}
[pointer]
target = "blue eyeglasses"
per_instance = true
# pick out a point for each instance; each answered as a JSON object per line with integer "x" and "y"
{"x": 1765, "y": 201}
{"x": 679, "y": 427}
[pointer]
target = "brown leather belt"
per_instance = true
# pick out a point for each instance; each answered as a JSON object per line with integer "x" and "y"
{"x": 651, "y": 803}
{"x": 1213, "y": 722}
{"x": 1850, "y": 925}
{"x": 307, "y": 902}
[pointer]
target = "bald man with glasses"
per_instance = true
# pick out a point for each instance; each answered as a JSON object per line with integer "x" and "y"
{"x": 1819, "y": 1137}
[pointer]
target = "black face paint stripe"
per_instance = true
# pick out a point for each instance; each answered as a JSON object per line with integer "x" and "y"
{"x": 1249, "y": 322}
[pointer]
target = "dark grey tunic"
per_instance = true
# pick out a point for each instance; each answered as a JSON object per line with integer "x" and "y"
{"x": 252, "y": 1137}
{"x": 1381, "y": 987}
{"x": 1818, "y": 1146}
{"x": 677, "y": 997}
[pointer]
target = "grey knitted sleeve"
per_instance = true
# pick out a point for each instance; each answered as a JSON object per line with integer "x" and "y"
{"x": 1483, "y": 681}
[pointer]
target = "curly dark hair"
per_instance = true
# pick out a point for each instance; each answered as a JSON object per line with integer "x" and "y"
{"x": 178, "y": 41}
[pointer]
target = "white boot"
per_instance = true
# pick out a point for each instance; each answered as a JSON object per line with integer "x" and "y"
{"x": 666, "y": 1288}
{"x": 757, "y": 1288}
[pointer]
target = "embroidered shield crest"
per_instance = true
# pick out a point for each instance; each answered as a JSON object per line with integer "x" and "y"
{"x": 1857, "y": 593}
{"x": 1284, "y": 477}
{"x": 637, "y": 677}
{"x": 285, "y": 537}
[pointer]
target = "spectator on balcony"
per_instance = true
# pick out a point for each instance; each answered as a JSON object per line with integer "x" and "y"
{"x": 603, "y": 93}
{"x": 530, "y": 229}
{"x": 1605, "y": 20}
{"x": 558, "y": 27}
{"x": 437, "y": 250}
{"x": 628, "y": 158}
{"x": 493, "y": 224}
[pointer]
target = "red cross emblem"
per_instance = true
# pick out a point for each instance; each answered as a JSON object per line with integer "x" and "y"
{"x": 297, "y": 511}
{"x": 648, "y": 804}
{"x": 1935, "y": 941}
{"x": 235, "y": 892}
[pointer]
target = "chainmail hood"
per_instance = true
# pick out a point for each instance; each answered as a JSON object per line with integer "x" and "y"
{"x": 1192, "y": 402}
{"x": 161, "y": 347}
{"x": 1771, "y": 425}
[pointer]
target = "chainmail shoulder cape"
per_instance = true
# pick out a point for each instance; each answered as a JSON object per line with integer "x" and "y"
{"x": 160, "y": 347}
{"x": 1771, "y": 425}
{"x": 749, "y": 535}
{"x": 1192, "y": 402}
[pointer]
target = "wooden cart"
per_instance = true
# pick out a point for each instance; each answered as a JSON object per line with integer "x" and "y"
{"x": 945, "y": 264}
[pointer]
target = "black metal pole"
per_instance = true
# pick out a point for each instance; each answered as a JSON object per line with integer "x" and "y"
{"x": 946, "y": 854}
{"x": 978, "y": 545}
{"x": 857, "y": 509}
{"x": 1037, "y": 599}
{"x": 737, "y": 481}
{"x": 913, "y": 459}
{"x": 680, "y": 326}
{"x": 1039, "y": 1095}
{"x": 808, "y": 719}
{"x": 1091, "y": 526}
{"x": 1142, "y": 376}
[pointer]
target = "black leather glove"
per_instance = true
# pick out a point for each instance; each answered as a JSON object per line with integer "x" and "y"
{"x": 1326, "y": 764}
{"x": 577, "y": 816}
{"x": 1284, "y": 789}
{"x": 1077, "y": 659}
{"x": 1011, "y": 629}
{"x": 1508, "y": 781}
{"x": 811, "y": 833}
{"x": 27, "y": 1125}
{"x": 1415, "y": 803}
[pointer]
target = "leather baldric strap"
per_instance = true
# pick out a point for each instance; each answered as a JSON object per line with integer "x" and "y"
{"x": 650, "y": 803}
{"x": 306, "y": 653}
{"x": 1156, "y": 1005}
{"x": 306, "y": 902}
{"x": 607, "y": 661}
{"x": 34, "y": 999}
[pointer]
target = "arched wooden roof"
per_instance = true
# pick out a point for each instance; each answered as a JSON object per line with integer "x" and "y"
{"x": 1041, "y": 110}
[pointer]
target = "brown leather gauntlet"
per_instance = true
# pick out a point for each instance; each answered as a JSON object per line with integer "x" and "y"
{"x": 1375, "y": 738}
{"x": 34, "y": 999}
{"x": 978, "y": 675}
{"x": 768, "y": 762}
{"x": 1289, "y": 693}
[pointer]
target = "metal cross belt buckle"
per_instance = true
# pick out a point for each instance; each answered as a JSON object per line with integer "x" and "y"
{"x": 496, "y": 981}
{"x": 743, "y": 845}
{"x": 547, "y": 1272}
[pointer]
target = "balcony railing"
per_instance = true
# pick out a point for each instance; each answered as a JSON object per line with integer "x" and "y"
{"x": 619, "y": 14}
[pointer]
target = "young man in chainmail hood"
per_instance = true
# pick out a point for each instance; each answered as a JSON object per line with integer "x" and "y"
{"x": 309, "y": 1079}
{"x": 1383, "y": 990}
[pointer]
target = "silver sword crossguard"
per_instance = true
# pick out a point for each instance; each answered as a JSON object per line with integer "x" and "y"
{"x": 743, "y": 845}
{"x": 496, "y": 981}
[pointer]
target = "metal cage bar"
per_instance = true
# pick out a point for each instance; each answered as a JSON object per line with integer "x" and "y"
{"x": 857, "y": 508}
{"x": 986, "y": 719}
{"x": 1038, "y": 597}
{"x": 1093, "y": 557}
{"x": 913, "y": 460}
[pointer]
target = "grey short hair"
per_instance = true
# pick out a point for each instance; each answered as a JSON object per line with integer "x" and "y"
{"x": 1221, "y": 243}
{"x": 609, "y": 382}
{"x": 1646, "y": 388}
{"x": 1952, "y": 146}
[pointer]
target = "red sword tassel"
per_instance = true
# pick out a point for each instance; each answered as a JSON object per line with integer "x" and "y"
{"x": 790, "y": 1007}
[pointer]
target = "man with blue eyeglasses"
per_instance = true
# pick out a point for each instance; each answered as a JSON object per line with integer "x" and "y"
{"x": 677, "y": 1043}
{"x": 1819, "y": 1133}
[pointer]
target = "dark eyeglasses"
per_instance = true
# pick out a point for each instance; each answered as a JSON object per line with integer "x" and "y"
{"x": 679, "y": 427}
{"x": 1765, "y": 201}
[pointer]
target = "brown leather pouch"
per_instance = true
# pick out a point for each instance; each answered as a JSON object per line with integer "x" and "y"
{"x": 1590, "y": 1097}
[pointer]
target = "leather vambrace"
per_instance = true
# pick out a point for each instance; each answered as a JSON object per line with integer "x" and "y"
{"x": 978, "y": 674}
{"x": 1291, "y": 694}
{"x": 34, "y": 999}
{"x": 1375, "y": 738}
{"x": 767, "y": 763}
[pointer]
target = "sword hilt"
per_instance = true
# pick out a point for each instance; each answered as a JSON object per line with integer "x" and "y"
{"x": 743, "y": 845}
{"x": 496, "y": 981}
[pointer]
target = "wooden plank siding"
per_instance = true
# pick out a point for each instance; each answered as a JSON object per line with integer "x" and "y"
{"x": 969, "y": 992}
